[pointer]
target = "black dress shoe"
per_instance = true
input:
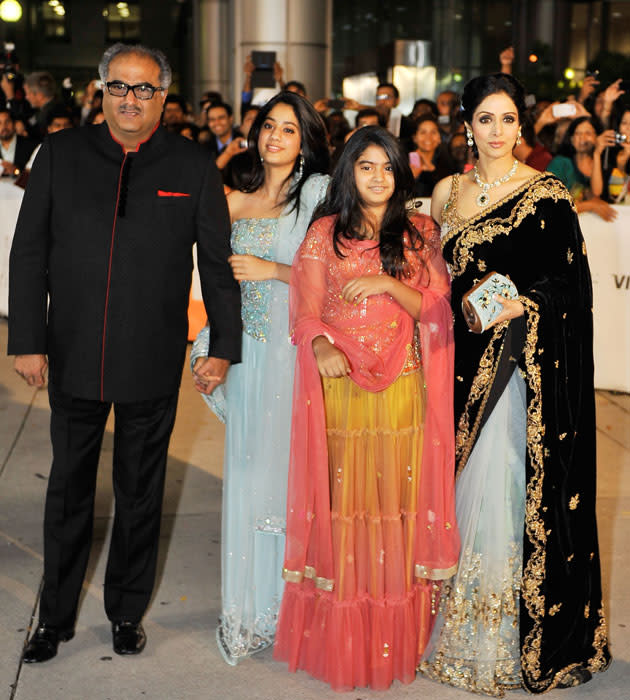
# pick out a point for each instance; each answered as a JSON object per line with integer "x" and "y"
{"x": 43, "y": 644}
{"x": 128, "y": 637}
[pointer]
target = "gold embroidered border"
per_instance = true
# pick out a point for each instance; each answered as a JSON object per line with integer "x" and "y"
{"x": 435, "y": 574}
{"x": 486, "y": 229}
{"x": 461, "y": 222}
{"x": 292, "y": 576}
{"x": 480, "y": 389}
{"x": 534, "y": 568}
{"x": 600, "y": 640}
{"x": 324, "y": 584}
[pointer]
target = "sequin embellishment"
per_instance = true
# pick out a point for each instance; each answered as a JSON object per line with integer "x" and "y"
{"x": 255, "y": 237}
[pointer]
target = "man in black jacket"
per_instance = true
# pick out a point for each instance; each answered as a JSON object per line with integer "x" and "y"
{"x": 15, "y": 150}
{"x": 105, "y": 232}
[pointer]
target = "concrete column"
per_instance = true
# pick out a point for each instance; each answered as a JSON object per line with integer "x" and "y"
{"x": 299, "y": 31}
{"x": 213, "y": 29}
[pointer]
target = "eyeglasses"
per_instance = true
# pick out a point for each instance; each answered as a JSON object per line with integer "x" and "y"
{"x": 143, "y": 91}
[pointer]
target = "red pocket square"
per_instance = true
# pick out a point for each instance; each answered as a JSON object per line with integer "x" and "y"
{"x": 163, "y": 193}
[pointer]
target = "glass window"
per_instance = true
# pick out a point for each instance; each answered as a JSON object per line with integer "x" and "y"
{"x": 122, "y": 21}
{"x": 54, "y": 20}
{"x": 619, "y": 27}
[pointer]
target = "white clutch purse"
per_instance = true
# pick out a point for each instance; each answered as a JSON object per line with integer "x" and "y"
{"x": 479, "y": 306}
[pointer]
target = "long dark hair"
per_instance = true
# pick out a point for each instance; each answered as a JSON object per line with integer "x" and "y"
{"x": 344, "y": 201}
{"x": 314, "y": 146}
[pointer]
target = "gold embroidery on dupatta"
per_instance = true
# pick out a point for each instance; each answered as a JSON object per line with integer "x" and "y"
{"x": 468, "y": 607}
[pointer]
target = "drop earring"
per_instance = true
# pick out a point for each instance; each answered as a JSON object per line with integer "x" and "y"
{"x": 469, "y": 138}
{"x": 518, "y": 137}
{"x": 300, "y": 170}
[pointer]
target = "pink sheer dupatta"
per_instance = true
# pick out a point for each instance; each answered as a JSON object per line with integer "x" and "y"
{"x": 309, "y": 566}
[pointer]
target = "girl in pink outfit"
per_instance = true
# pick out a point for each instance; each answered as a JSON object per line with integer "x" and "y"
{"x": 370, "y": 518}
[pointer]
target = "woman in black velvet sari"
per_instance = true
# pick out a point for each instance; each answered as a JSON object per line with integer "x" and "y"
{"x": 525, "y": 608}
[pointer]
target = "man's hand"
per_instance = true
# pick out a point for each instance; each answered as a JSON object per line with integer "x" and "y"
{"x": 321, "y": 105}
{"x": 8, "y": 168}
{"x": 249, "y": 66}
{"x": 229, "y": 152}
{"x": 352, "y": 104}
{"x": 209, "y": 372}
{"x": 32, "y": 368}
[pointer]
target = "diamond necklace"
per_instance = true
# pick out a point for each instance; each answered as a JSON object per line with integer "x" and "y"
{"x": 483, "y": 198}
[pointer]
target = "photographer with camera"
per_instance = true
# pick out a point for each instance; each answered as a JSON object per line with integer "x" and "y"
{"x": 11, "y": 92}
{"x": 40, "y": 90}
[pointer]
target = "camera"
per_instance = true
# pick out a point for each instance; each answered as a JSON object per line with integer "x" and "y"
{"x": 337, "y": 104}
{"x": 8, "y": 60}
{"x": 620, "y": 138}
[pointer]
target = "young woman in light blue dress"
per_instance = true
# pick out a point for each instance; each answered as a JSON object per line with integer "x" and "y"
{"x": 269, "y": 215}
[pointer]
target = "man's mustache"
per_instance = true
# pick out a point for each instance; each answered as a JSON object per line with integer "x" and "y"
{"x": 129, "y": 108}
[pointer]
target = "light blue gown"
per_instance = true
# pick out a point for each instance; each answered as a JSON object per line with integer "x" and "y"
{"x": 255, "y": 404}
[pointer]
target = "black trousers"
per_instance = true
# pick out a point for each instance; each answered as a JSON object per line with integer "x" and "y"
{"x": 141, "y": 437}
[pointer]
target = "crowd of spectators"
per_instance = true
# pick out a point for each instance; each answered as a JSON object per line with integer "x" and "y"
{"x": 583, "y": 139}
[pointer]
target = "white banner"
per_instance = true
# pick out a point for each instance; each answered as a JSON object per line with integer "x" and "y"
{"x": 608, "y": 248}
{"x": 10, "y": 201}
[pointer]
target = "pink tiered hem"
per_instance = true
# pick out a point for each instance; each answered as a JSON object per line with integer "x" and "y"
{"x": 357, "y": 643}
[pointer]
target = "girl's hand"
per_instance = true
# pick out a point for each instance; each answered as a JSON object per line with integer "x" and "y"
{"x": 604, "y": 140}
{"x": 331, "y": 362}
{"x": 512, "y": 308}
{"x": 362, "y": 287}
{"x": 251, "y": 268}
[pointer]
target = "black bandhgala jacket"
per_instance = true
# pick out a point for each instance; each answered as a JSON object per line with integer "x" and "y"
{"x": 106, "y": 237}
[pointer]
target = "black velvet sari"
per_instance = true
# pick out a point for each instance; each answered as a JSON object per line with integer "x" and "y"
{"x": 533, "y": 236}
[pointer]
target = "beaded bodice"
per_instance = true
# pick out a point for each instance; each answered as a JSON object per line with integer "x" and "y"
{"x": 255, "y": 237}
